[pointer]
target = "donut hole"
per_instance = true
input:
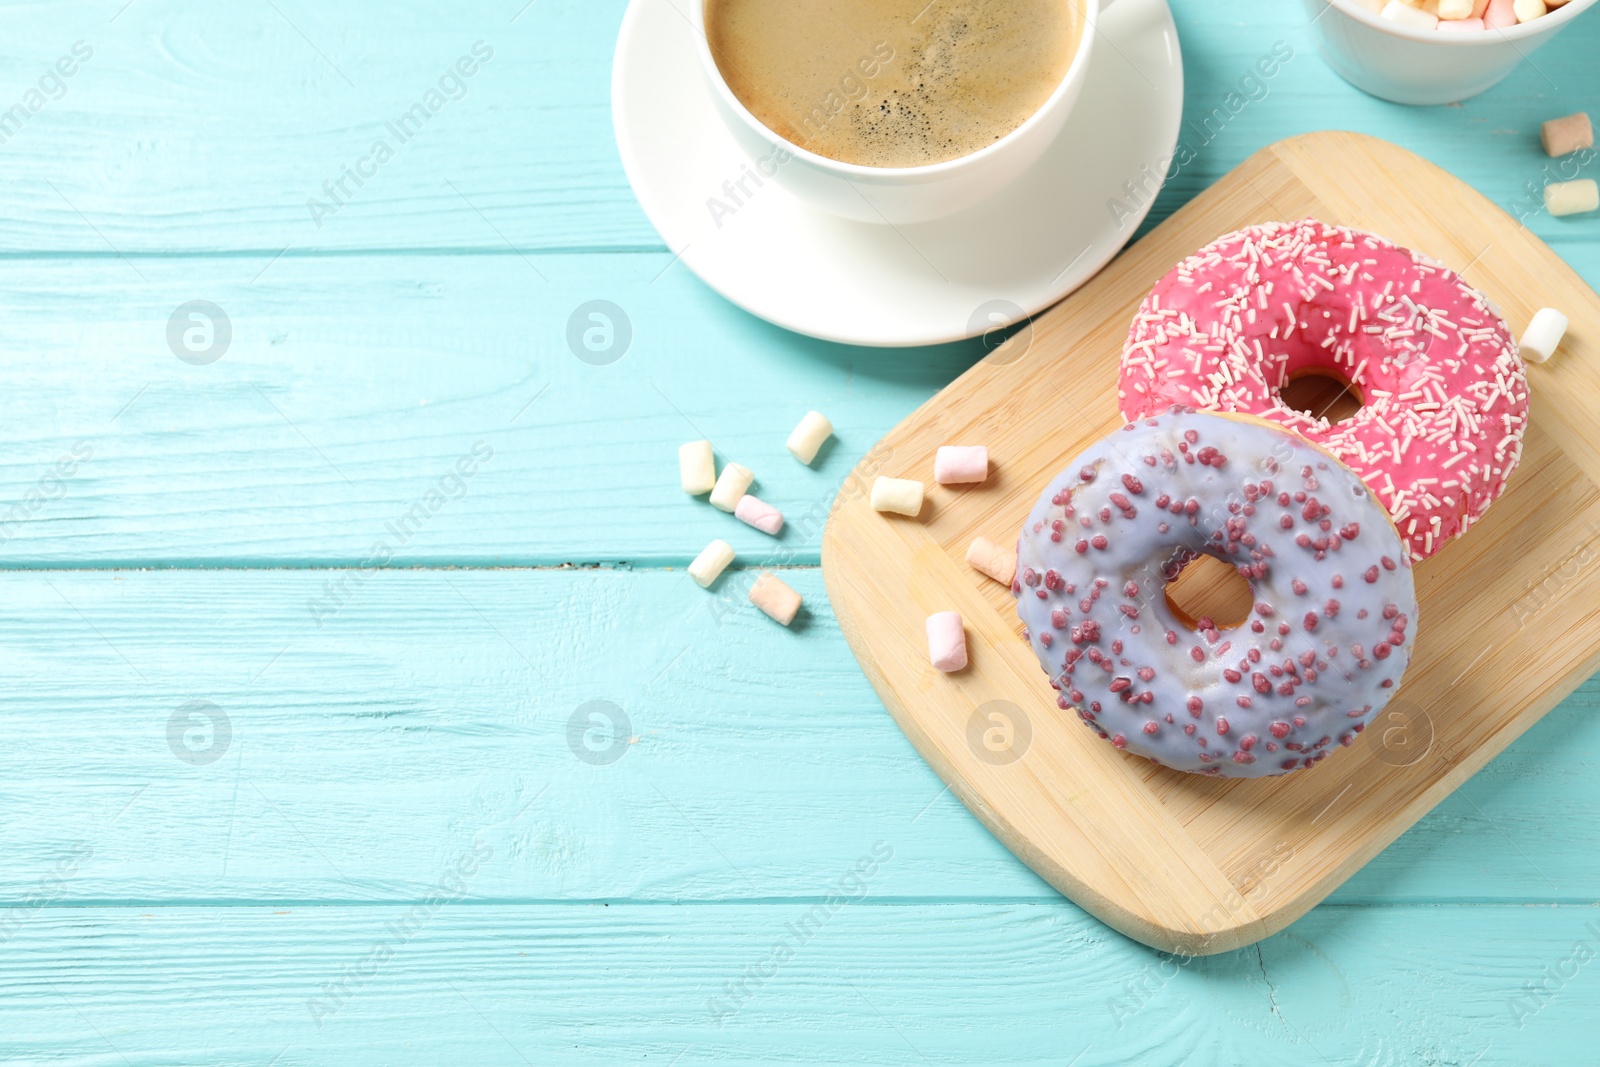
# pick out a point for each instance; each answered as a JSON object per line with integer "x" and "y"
{"x": 1323, "y": 393}
{"x": 1209, "y": 588}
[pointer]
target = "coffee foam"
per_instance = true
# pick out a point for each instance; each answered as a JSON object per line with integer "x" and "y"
{"x": 888, "y": 83}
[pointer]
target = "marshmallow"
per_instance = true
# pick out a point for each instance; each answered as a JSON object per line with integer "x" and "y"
{"x": 1567, "y": 134}
{"x": 1462, "y": 24}
{"x": 1455, "y": 10}
{"x": 712, "y": 561}
{"x": 1528, "y": 10}
{"x": 1543, "y": 335}
{"x": 697, "y": 467}
{"x": 1499, "y": 15}
{"x": 1396, "y": 11}
{"x": 1572, "y": 198}
{"x": 899, "y": 495}
{"x": 758, "y": 513}
{"x": 947, "y": 642}
{"x": 732, "y": 483}
{"x": 807, "y": 438}
{"x": 773, "y": 597}
{"x": 960, "y": 464}
{"x": 986, "y": 557}
{"x": 1373, "y": 6}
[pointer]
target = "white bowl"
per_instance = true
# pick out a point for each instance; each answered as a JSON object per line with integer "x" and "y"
{"x": 1415, "y": 66}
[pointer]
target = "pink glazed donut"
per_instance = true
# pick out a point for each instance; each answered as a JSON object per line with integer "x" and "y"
{"x": 1329, "y": 633}
{"x": 1444, "y": 393}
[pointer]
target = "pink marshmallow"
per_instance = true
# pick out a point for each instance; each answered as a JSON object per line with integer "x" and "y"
{"x": 961, "y": 464}
{"x": 1499, "y": 15}
{"x": 1460, "y": 24}
{"x": 947, "y": 642}
{"x": 758, "y": 513}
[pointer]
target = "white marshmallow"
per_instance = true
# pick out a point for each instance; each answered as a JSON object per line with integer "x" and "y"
{"x": 960, "y": 464}
{"x": 899, "y": 495}
{"x": 947, "y": 641}
{"x": 697, "y": 467}
{"x": 1456, "y": 9}
{"x": 1543, "y": 335}
{"x": 986, "y": 557}
{"x": 773, "y": 597}
{"x": 807, "y": 437}
{"x": 1572, "y": 198}
{"x": 712, "y": 561}
{"x": 1409, "y": 16}
{"x": 1528, "y": 10}
{"x": 758, "y": 513}
{"x": 732, "y": 483}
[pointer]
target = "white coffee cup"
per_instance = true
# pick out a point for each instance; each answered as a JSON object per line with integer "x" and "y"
{"x": 898, "y": 195}
{"x": 1411, "y": 65}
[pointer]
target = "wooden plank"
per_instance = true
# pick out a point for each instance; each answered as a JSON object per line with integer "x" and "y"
{"x": 869, "y": 981}
{"x": 349, "y": 389}
{"x": 212, "y": 128}
{"x": 209, "y": 128}
{"x": 436, "y": 705}
{"x": 1199, "y": 846}
{"x": 244, "y": 461}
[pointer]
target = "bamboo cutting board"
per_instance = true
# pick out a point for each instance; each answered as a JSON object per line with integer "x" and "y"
{"x": 1508, "y": 614}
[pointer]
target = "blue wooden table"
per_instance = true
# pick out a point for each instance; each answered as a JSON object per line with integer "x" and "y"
{"x": 357, "y": 707}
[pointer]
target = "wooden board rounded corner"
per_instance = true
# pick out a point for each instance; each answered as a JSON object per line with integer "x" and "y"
{"x": 1180, "y": 902}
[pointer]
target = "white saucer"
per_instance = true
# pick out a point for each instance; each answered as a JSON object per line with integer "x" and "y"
{"x": 861, "y": 283}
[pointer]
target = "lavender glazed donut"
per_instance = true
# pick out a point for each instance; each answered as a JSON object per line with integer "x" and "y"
{"x": 1444, "y": 393}
{"x": 1326, "y": 641}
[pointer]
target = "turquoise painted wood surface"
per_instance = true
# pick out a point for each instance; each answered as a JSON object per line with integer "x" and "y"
{"x": 404, "y": 850}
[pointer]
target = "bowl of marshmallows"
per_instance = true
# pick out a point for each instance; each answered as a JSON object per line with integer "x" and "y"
{"x": 1433, "y": 51}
